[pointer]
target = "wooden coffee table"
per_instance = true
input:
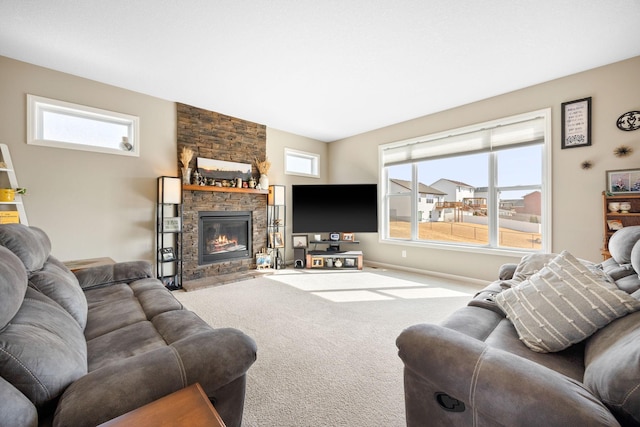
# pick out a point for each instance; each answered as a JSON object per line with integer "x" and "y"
{"x": 189, "y": 407}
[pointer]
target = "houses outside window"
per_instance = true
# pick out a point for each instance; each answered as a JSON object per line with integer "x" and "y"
{"x": 484, "y": 187}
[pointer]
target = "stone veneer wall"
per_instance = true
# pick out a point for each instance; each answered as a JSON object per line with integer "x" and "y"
{"x": 216, "y": 136}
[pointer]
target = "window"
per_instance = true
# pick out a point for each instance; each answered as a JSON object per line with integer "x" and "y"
{"x": 301, "y": 163}
{"x": 54, "y": 123}
{"x": 487, "y": 186}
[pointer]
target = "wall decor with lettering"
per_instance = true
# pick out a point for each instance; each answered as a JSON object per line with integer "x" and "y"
{"x": 576, "y": 123}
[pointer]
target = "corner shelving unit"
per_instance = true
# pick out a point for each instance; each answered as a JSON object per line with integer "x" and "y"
{"x": 276, "y": 222}
{"x": 10, "y": 211}
{"x": 169, "y": 232}
{"x": 618, "y": 219}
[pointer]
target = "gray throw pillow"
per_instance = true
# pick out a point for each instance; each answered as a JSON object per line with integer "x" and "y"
{"x": 562, "y": 304}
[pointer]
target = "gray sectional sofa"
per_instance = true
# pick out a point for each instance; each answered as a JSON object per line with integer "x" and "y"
{"x": 81, "y": 349}
{"x": 554, "y": 342}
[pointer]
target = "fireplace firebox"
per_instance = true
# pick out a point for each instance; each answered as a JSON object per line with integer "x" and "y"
{"x": 223, "y": 236}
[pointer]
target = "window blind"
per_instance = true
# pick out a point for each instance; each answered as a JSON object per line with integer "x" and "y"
{"x": 526, "y": 132}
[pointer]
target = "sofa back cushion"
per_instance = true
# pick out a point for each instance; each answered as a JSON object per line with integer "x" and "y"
{"x": 46, "y": 274}
{"x": 42, "y": 349}
{"x": 30, "y": 244}
{"x": 61, "y": 285}
{"x": 13, "y": 285}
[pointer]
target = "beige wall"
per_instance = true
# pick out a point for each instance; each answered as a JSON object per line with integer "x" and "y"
{"x": 277, "y": 141}
{"x": 90, "y": 204}
{"x": 94, "y": 205}
{"x": 577, "y": 207}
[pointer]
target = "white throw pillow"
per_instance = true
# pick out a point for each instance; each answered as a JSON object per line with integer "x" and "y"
{"x": 562, "y": 304}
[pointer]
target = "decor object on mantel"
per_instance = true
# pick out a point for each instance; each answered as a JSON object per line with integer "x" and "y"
{"x": 185, "y": 158}
{"x": 263, "y": 168}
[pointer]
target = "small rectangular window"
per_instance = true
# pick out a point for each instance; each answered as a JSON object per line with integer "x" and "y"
{"x": 60, "y": 124}
{"x": 301, "y": 163}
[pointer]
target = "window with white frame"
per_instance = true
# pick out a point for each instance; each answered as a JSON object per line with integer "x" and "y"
{"x": 483, "y": 187}
{"x": 301, "y": 163}
{"x": 55, "y": 123}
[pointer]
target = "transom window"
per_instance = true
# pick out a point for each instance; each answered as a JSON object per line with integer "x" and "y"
{"x": 482, "y": 187}
{"x": 301, "y": 163}
{"x": 55, "y": 123}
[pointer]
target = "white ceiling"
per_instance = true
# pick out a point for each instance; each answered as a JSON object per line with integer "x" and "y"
{"x": 322, "y": 69}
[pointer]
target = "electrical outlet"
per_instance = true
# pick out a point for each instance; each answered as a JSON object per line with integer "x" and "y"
{"x": 404, "y": 254}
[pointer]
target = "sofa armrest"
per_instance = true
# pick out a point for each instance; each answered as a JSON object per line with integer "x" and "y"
{"x": 493, "y": 386}
{"x": 121, "y": 272}
{"x": 506, "y": 271}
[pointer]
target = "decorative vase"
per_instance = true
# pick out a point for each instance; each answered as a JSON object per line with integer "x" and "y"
{"x": 264, "y": 182}
{"x": 625, "y": 207}
{"x": 186, "y": 176}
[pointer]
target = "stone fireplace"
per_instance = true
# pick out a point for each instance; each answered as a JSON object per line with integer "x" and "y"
{"x": 223, "y": 236}
{"x": 216, "y": 136}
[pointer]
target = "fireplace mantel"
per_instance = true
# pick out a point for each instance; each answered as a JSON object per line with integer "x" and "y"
{"x": 223, "y": 189}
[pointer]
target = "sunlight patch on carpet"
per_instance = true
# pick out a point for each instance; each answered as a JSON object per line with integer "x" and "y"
{"x": 352, "y": 296}
{"x": 343, "y": 281}
{"x": 425, "y": 293}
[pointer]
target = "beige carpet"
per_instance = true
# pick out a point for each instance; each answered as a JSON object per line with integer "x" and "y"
{"x": 326, "y": 341}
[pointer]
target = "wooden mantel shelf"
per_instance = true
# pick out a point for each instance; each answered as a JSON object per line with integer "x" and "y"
{"x": 223, "y": 189}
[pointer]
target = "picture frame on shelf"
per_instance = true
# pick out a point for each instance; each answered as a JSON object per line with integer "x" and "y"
{"x": 334, "y": 236}
{"x": 276, "y": 240}
{"x": 317, "y": 262}
{"x": 623, "y": 181}
{"x": 349, "y": 262}
{"x": 263, "y": 260}
{"x": 171, "y": 224}
{"x": 348, "y": 237}
{"x": 576, "y": 123}
{"x": 167, "y": 254}
{"x": 300, "y": 241}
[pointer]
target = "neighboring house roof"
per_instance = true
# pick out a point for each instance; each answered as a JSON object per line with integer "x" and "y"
{"x": 460, "y": 183}
{"x": 422, "y": 188}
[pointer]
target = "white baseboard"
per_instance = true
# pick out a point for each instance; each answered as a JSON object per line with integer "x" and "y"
{"x": 470, "y": 280}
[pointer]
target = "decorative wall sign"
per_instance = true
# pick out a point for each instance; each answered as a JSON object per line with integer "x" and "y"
{"x": 576, "y": 123}
{"x": 629, "y": 121}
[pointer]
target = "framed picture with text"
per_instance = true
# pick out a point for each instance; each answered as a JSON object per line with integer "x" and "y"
{"x": 576, "y": 123}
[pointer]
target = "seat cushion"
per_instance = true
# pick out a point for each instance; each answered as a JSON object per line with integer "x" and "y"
{"x": 563, "y": 304}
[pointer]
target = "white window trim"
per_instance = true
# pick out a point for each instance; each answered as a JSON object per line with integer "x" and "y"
{"x": 315, "y": 159}
{"x": 546, "y": 191}
{"x": 37, "y": 104}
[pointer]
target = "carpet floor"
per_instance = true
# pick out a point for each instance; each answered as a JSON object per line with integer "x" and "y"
{"x": 326, "y": 340}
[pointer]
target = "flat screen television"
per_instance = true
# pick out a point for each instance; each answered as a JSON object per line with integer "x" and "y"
{"x": 335, "y": 208}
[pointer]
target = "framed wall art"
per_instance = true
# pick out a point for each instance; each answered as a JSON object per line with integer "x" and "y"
{"x": 300, "y": 241}
{"x": 171, "y": 224}
{"x": 623, "y": 181}
{"x": 576, "y": 123}
{"x": 276, "y": 240}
